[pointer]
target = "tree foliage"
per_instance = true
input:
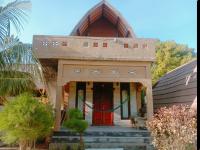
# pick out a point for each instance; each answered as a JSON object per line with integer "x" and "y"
{"x": 25, "y": 119}
{"x": 75, "y": 122}
{"x": 170, "y": 55}
{"x": 19, "y": 68}
{"x": 13, "y": 13}
{"x": 173, "y": 128}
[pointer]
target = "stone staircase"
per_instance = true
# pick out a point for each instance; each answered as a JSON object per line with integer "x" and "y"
{"x": 125, "y": 139}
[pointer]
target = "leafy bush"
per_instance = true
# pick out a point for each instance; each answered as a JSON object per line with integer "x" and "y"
{"x": 76, "y": 123}
{"x": 75, "y": 114}
{"x": 25, "y": 119}
{"x": 173, "y": 128}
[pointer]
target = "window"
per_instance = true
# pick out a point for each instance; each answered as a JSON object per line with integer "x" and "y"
{"x": 80, "y": 96}
{"x": 125, "y": 100}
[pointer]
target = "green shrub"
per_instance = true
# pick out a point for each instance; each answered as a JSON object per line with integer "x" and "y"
{"x": 76, "y": 123}
{"x": 75, "y": 114}
{"x": 25, "y": 119}
{"x": 173, "y": 128}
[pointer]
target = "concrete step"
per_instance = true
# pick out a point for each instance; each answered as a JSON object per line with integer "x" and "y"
{"x": 107, "y": 146}
{"x": 124, "y": 138}
{"x": 124, "y": 146}
{"x": 105, "y": 133}
{"x": 101, "y": 139}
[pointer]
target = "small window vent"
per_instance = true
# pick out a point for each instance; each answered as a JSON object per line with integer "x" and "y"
{"x": 105, "y": 44}
{"x": 126, "y": 45}
{"x": 85, "y": 44}
{"x": 95, "y": 44}
{"x": 64, "y": 43}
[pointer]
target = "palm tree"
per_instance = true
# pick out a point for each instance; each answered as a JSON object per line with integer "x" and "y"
{"x": 13, "y": 13}
{"x": 18, "y": 66}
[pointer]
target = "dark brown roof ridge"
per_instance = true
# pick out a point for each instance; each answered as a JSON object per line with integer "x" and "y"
{"x": 115, "y": 11}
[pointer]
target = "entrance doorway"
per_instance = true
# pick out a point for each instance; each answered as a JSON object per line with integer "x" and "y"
{"x": 102, "y": 102}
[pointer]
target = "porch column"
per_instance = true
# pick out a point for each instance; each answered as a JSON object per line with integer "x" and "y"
{"x": 138, "y": 97}
{"x": 59, "y": 98}
{"x": 149, "y": 99}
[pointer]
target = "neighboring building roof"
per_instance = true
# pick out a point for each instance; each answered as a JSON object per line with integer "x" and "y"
{"x": 179, "y": 86}
{"x": 106, "y": 10}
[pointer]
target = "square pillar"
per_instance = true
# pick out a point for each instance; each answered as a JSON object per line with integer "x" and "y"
{"x": 59, "y": 98}
{"x": 139, "y": 97}
{"x": 149, "y": 100}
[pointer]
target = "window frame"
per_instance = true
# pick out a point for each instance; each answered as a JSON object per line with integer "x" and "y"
{"x": 125, "y": 86}
{"x": 81, "y": 86}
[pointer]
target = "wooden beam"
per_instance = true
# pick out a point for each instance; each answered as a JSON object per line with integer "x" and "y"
{"x": 103, "y": 6}
{"x": 78, "y": 32}
{"x": 127, "y": 33}
{"x": 117, "y": 22}
{"x": 88, "y": 18}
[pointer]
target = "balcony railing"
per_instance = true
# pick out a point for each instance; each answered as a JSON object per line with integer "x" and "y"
{"x": 77, "y": 47}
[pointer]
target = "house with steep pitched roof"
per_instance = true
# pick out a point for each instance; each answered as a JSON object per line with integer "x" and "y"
{"x": 100, "y": 68}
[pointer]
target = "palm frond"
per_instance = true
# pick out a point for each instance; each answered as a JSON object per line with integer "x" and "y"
{"x": 14, "y": 13}
{"x": 19, "y": 70}
{"x": 15, "y": 82}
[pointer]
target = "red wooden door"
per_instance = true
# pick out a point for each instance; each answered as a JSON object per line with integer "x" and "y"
{"x": 102, "y": 102}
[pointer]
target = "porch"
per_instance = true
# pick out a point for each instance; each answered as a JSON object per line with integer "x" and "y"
{"x": 132, "y": 76}
{"x": 105, "y": 103}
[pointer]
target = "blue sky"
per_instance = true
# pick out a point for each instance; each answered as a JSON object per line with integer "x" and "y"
{"x": 161, "y": 19}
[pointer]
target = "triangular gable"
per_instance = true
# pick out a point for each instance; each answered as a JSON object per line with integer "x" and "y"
{"x": 103, "y": 9}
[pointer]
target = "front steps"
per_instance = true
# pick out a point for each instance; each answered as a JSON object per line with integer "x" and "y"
{"x": 128, "y": 139}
